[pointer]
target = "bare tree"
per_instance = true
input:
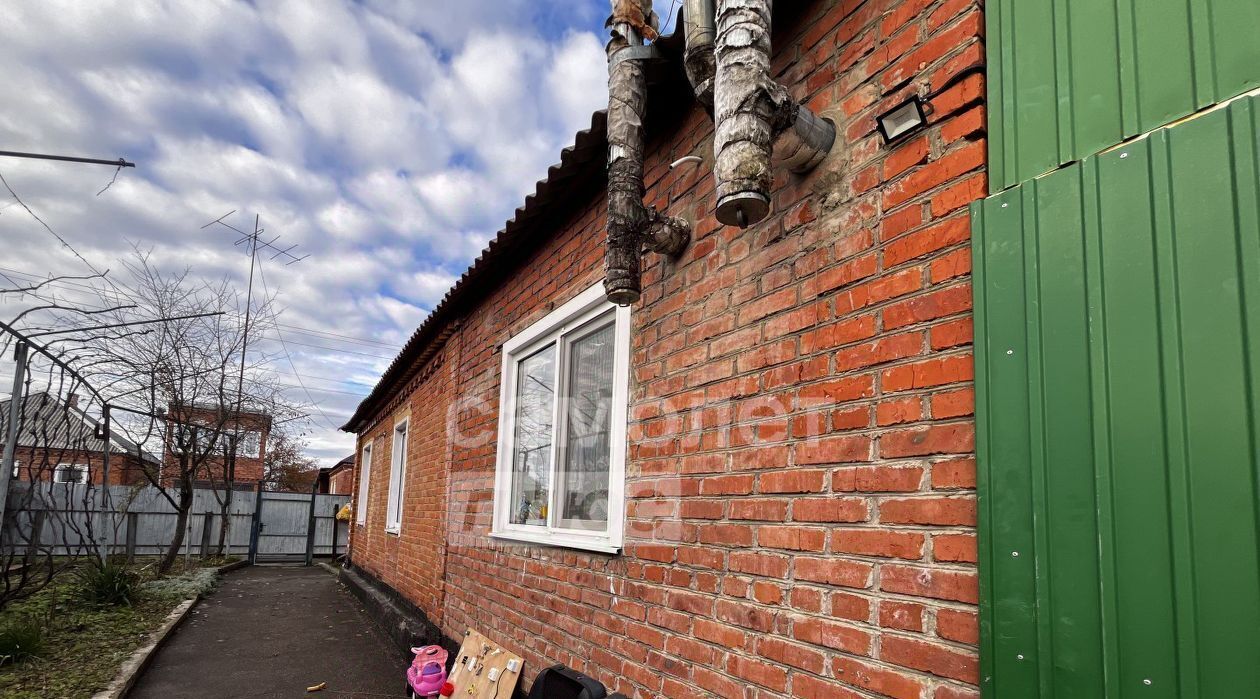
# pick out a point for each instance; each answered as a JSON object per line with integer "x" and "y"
{"x": 183, "y": 380}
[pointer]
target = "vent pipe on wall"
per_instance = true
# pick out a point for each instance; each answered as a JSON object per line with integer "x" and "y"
{"x": 754, "y": 115}
{"x": 632, "y": 226}
{"x": 700, "y": 31}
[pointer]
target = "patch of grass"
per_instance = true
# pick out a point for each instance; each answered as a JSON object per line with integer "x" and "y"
{"x": 186, "y": 585}
{"x": 21, "y": 640}
{"x": 107, "y": 582}
{"x": 85, "y": 643}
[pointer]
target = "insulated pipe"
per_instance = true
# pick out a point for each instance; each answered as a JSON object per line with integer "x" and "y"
{"x": 753, "y": 114}
{"x": 632, "y": 226}
{"x": 700, "y": 32}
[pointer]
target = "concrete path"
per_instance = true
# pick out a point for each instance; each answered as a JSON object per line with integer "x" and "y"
{"x": 272, "y": 632}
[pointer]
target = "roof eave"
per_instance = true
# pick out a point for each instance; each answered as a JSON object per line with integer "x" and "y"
{"x": 589, "y": 147}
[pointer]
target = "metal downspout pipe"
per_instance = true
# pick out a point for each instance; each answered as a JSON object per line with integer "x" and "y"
{"x": 632, "y": 226}
{"x": 754, "y": 115}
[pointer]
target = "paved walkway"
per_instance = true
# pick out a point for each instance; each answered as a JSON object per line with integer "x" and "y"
{"x": 272, "y": 632}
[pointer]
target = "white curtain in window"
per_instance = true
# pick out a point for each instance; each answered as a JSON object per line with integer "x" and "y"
{"x": 583, "y": 499}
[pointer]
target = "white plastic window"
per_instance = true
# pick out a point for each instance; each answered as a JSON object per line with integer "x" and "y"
{"x": 560, "y": 473}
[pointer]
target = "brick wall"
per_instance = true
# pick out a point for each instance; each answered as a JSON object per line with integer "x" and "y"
{"x": 40, "y": 463}
{"x": 341, "y": 482}
{"x": 800, "y": 517}
{"x": 413, "y": 560}
{"x": 248, "y": 470}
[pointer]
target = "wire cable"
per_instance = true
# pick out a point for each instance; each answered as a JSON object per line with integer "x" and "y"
{"x": 263, "y": 277}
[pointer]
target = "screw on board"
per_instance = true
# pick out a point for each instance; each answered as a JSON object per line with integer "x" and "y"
{"x": 1010, "y": 351}
{"x": 1005, "y": 204}
{"x": 1019, "y": 657}
{"x": 1123, "y": 156}
{"x": 1014, "y": 554}
{"x": 1146, "y": 682}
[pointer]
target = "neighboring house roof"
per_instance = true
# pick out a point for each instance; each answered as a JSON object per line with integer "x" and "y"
{"x": 216, "y": 409}
{"x": 342, "y": 465}
{"x": 46, "y": 422}
{"x": 580, "y": 173}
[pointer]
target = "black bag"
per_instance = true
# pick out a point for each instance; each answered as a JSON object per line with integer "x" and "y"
{"x": 559, "y": 682}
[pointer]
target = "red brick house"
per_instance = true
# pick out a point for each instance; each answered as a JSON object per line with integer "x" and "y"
{"x": 338, "y": 479}
{"x": 249, "y": 430}
{"x": 57, "y": 442}
{"x": 757, "y": 481}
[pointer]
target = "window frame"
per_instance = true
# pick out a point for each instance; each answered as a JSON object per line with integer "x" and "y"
{"x": 572, "y": 321}
{"x": 256, "y": 452}
{"x": 83, "y": 479}
{"x": 397, "y": 483}
{"x": 365, "y": 482}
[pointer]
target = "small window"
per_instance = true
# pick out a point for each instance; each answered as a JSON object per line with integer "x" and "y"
{"x": 17, "y": 466}
{"x": 562, "y": 430}
{"x": 397, "y": 476}
{"x": 250, "y": 445}
{"x": 365, "y": 475}
{"x": 70, "y": 473}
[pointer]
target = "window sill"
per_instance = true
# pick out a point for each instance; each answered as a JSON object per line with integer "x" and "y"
{"x": 396, "y": 531}
{"x": 559, "y": 540}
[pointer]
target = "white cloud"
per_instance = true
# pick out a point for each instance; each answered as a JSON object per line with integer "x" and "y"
{"x": 579, "y": 71}
{"x": 389, "y": 138}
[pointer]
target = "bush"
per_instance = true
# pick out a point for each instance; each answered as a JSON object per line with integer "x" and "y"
{"x": 107, "y": 583}
{"x": 21, "y": 641}
{"x": 186, "y": 586}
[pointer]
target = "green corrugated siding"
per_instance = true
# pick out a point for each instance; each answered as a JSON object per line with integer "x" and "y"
{"x": 1068, "y": 78}
{"x": 1117, "y": 351}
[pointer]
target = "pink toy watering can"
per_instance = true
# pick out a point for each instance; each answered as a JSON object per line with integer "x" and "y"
{"x": 427, "y": 673}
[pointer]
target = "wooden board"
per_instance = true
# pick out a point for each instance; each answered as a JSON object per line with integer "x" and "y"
{"x": 489, "y": 656}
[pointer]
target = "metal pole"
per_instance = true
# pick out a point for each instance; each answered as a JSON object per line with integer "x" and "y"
{"x": 335, "y": 523}
{"x": 15, "y": 408}
{"x": 52, "y": 357}
{"x": 104, "y": 508}
{"x": 240, "y": 390}
{"x": 310, "y": 525}
{"x": 124, "y": 325}
{"x": 66, "y": 158}
{"x": 256, "y": 529}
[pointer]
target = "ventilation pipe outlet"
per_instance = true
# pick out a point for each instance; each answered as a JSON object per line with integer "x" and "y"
{"x": 755, "y": 116}
{"x": 701, "y": 33}
{"x": 632, "y": 226}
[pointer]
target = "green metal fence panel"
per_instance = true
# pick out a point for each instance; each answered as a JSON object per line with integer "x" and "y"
{"x": 1068, "y": 78}
{"x": 1118, "y": 409}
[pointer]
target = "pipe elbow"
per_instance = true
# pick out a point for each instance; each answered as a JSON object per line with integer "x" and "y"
{"x": 755, "y": 116}
{"x": 632, "y": 225}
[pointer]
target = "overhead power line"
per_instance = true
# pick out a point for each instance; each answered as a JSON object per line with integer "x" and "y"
{"x": 318, "y": 408}
{"x": 66, "y": 244}
{"x": 331, "y": 349}
{"x": 81, "y": 288}
{"x": 122, "y": 325}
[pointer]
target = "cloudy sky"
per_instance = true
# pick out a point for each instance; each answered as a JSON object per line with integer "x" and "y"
{"x": 389, "y": 139}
